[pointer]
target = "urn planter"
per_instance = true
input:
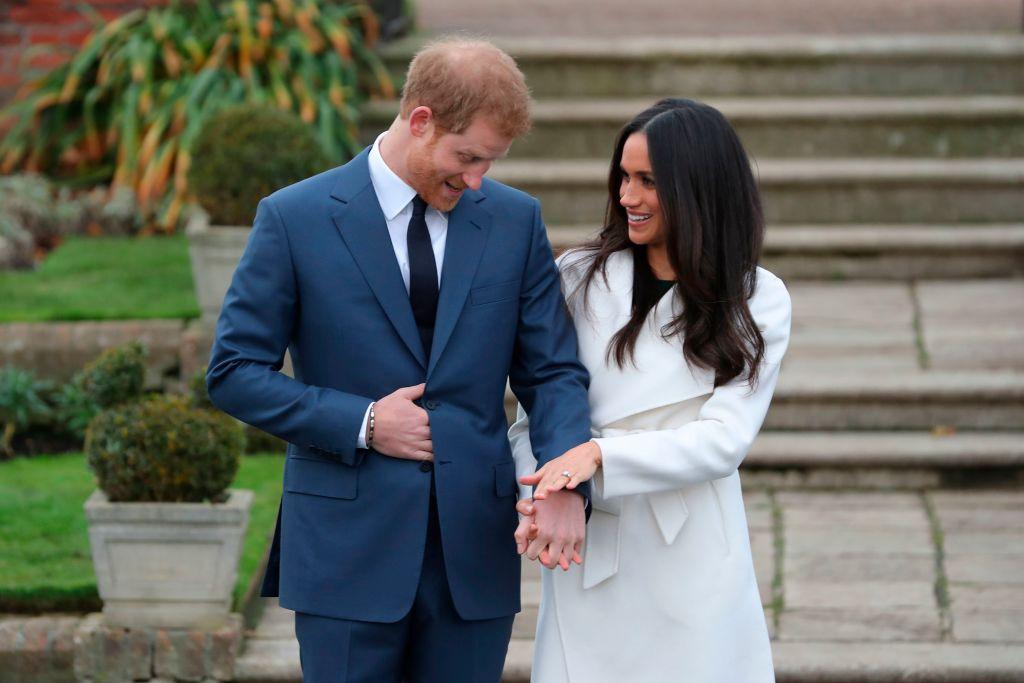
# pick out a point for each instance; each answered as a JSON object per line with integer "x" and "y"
{"x": 214, "y": 251}
{"x": 167, "y": 565}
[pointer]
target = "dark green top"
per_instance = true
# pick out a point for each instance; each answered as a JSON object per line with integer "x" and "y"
{"x": 664, "y": 286}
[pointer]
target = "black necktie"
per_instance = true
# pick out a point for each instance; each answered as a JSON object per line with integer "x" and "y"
{"x": 422, "y": 274}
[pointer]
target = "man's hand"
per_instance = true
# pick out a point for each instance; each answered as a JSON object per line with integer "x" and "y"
{"x": 402, "y": 428}
{"x": 555, "y": 534}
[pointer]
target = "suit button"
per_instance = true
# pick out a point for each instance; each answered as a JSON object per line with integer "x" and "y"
{"x": 426, "y": 466}
{"x": 430, "y": 404}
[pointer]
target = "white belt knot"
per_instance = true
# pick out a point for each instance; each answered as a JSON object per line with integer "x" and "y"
{"x": 603, "y": 530}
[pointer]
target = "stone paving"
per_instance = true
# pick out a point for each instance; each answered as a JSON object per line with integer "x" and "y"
{"x": 951, "y": 325}
{"x": 920, "y": 574}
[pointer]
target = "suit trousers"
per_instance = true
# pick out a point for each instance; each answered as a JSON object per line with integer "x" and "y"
{"x": 430, "y": 644}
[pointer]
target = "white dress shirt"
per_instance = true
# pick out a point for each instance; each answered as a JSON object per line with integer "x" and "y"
{"x": 395, "y": 198}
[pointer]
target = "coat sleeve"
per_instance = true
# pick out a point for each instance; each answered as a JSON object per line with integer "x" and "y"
{"x": 253, "y": 332}
{"x": 713, "y": 445}
{"x": 522, "y": 450}
{"x": 546, "y": 374}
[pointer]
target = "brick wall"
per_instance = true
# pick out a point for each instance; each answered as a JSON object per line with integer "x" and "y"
{"x": 56, "y": 23}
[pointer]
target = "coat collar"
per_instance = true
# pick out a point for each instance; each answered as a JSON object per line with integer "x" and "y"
{"x": 361, "y": 223}
{"x": 661, "y": 375}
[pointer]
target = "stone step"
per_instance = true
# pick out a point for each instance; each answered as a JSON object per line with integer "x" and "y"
{"x": 875, "y": 252}
{"x": 797, "y": 662}
{"x": 970, "y": 126}
{"x": 886, "y": 400}
{"x": 887, "y": 449}
{"x": 760, "y": 65}
{"x": 817, "y": 662}
{"x": 797, "y": 191}
{"x": 883, "y": 460}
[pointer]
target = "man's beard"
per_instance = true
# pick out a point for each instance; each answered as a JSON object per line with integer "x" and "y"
{"x": 424, "y": 179}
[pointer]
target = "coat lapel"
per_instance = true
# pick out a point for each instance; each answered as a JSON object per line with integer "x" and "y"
{"x": 661, "y": 374}
{"x": 365, "y": 231}
{"x": 468, "y": 227}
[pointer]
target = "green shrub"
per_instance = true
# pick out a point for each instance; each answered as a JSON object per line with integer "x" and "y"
{"x": 163, "y": 449}
{"x": 22, "y": 403}
{"x": 198, "y": 392}
{"x": 116, "y": 376}
{"x": 74, "y": 408}
{"x": 246, "y": 152}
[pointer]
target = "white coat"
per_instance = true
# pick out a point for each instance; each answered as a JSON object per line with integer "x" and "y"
{"x": 667, "y": 590}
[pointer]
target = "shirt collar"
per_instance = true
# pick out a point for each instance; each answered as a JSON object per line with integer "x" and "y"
{"x": 393, "y": 193}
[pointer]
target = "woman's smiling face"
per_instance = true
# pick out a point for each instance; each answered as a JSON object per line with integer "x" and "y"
{"x": 638, "y": 193}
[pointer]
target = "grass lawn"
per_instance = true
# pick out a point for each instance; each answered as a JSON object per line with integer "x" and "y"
{"x": 104, "y": 278}
{"x": 45, "y": 563}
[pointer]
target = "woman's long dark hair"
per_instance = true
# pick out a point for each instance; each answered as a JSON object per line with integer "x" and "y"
{"x": 714, "y": 229}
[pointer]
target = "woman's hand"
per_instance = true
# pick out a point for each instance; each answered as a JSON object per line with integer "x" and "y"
{"x": 580, "y": 463}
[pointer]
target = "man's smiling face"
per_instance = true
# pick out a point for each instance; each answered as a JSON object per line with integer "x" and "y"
{"x": 442, "y": 164}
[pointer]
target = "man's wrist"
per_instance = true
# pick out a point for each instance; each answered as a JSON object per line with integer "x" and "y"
{"x": 371, "y": 423}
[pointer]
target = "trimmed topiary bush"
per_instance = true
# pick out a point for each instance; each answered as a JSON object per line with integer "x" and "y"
{"x": 117, "y": 375}
{"x": 163, "y": 449}
{"x": 245, "y": 153}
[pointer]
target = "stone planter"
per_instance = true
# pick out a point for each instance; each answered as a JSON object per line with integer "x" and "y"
{"x": 167, "y": 565}
{"x": 214, "y": 251}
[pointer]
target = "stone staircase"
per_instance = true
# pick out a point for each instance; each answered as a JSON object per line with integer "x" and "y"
{"x": 892, "y": 170}
{"x": 881, "y": 158}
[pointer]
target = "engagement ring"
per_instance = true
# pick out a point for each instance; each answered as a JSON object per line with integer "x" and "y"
{"x": 567, "y": 473}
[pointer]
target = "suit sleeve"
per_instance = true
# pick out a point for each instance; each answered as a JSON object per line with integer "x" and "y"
{"x": 253, "y": 332}
{"x": 713, "y": 445}
{"x": 546, "y": 374}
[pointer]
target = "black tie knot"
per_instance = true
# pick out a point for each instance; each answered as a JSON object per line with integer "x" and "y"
{"x": 419, "y": 207}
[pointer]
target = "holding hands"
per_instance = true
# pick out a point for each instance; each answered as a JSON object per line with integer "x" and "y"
{"x": 552, "y": 530}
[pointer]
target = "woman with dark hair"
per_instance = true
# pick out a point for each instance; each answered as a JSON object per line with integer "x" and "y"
{"x": 683, "y": 335}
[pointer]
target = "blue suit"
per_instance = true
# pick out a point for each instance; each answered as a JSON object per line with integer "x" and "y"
{"x": 319, "y": 278}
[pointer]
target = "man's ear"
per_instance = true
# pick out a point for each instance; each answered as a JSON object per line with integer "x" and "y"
{"x": 421, "y": 122}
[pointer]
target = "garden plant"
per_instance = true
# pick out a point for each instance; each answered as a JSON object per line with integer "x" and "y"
{"x": 130, "y": 104}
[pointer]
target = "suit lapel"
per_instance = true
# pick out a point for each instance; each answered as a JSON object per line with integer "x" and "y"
{"x": 364, "y": 229}
{"x": 468, "y": 227}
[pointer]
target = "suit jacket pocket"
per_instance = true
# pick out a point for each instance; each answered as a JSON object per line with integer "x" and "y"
{"x": 489, "y": 294}
{"x": 320, "y": 478}
{"x": 505, "y": 479}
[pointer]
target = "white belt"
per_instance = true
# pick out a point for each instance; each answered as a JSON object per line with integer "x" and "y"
{"x": 603, "y": 529}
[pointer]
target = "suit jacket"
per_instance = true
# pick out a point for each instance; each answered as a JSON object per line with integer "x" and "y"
{"x": 319, "y": 278}
{"x": 667, "y": 548}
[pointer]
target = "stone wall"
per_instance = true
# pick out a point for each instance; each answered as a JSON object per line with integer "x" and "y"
{"x": 65, "y": 649}
{"x": 56, "y": 350}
